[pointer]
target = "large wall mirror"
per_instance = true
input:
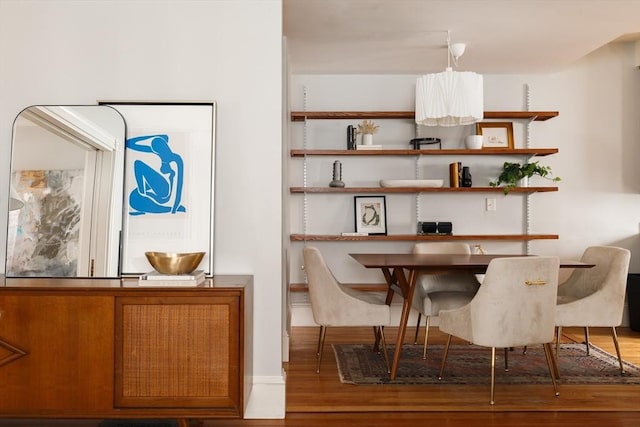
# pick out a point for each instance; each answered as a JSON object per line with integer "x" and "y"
{"x": 66, "y": 191}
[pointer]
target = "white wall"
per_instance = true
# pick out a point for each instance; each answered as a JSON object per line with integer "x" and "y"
{"x": 229, "y": 51}
{"x": 597, "y": 130}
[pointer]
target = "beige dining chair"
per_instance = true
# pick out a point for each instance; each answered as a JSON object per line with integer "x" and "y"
{"x": 595, "y": 296}
{"x": 514, "y": 307}
{"x": 444, "y": 291}
{"x": 334, "y": 304}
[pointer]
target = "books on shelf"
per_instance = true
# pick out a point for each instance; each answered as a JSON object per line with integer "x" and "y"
{"x": 368, "y": 147}
{"x": 154, "y": 278}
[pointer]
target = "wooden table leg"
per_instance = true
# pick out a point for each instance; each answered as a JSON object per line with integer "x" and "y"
{"x": 409, "y": 286}
{"x": 183, "y": 422}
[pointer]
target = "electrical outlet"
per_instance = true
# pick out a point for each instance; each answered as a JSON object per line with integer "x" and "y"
{"x": 491, "y": 204}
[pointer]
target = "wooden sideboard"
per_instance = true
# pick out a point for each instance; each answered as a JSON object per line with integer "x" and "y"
{"x": 108, "y": 348}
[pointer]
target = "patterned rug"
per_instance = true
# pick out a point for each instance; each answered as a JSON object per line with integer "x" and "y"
{"x": 470, "y": 364}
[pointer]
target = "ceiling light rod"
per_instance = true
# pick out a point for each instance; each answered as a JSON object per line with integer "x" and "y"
{"x": 455, "y": 51}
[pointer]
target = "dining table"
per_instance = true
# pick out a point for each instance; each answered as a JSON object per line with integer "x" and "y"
{"x": 401, "y": 270}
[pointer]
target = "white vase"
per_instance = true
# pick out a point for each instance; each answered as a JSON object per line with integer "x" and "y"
{"x": 367, "y": 139}
{"x": 473, "y": 142}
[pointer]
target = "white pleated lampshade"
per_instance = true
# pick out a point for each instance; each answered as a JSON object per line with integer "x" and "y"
{"x": 450, "y": 98}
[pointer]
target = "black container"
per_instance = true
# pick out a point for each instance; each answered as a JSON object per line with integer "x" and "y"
{"x": 633, "y": 298}
{"x": 466, "y": 177}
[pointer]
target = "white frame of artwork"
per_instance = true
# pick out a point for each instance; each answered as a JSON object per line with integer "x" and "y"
{"x": 188, "y": 224}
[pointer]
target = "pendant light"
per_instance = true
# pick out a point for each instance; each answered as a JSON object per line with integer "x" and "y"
{"x": 449, "y": 98}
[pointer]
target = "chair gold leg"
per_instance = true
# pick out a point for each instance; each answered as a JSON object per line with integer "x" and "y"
{"x": 552, "y": 370}
{"x": 319, "y": 340}
{"x": 426, "y": 337}
{"x": 323, "y": 331}
{"x": 586, "y": 338}
{"x": 558, "y": 335}
{"x": 444, "y": 356}
{"x": 493, "y": 373}
{"x": 615, "y": 343}
{"x": 415, "y": 338}
{"x": 506, "y": 359}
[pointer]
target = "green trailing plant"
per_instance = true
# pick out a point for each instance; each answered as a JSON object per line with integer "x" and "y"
{"x": 512, "y": 173}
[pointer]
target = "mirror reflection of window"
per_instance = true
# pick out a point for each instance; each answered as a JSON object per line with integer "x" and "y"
{"x": 66, "y": 182}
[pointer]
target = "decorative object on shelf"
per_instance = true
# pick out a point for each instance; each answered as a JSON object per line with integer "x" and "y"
{"x": 371, "y": 215}
{"x": 496, "y": 134}
{"x": 351, "y": 137}
{"x": 154, "y": 278}
{"x": 513, "y": 173}
{"x": 455, "y": 174}
{"x": 449, "y": 98}
{"x": 473, "y": 142}
{"x": 419, "y": 142}
{"x": 367, "y": 128}
{"x": 174, "y": 263}
{"x": 411, "y": 182}
{"x": 368, "y": 147}
{"x": 445, "y": 228}
{"x": 466, "y": 177}
{"x": 427, "y": 227}
{"x": 337, "y": 175}
{"x": 433, "y": 228}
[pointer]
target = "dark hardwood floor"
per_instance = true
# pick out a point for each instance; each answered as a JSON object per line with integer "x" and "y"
{"x": 320, "y": 399}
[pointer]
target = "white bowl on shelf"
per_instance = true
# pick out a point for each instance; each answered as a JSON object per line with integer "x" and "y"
{"x": 411, "y": 182}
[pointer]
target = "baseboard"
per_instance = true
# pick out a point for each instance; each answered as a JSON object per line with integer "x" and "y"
{"x": 267, "y": 399}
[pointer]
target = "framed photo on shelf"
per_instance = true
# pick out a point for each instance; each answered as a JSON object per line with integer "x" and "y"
{"x": 371, "y": 215}
{"x": 168, "y": 181}
{"x": 496, "y": 134}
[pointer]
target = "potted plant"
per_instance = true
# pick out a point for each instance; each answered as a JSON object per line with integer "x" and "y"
{"x": 367, "y": 129}
{"x": 512, "y": 173}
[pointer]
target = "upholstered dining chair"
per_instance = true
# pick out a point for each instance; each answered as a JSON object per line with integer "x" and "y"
{"x": 595, "y": 296}
{"x": 514, "y": 307}
{"x": 435, "y": 292}
{"x": 334, "y": 304}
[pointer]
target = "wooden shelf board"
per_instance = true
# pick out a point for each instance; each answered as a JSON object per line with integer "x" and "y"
{"x": 300, "y": 116}
{"x": 427, "y": 152}
{"x": 396, "y": 190}
{"x": 418, "y": 238}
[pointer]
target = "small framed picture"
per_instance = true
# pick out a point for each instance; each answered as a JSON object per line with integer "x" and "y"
{"x": 495, "y": 134}
{"x": 371, "y": 215}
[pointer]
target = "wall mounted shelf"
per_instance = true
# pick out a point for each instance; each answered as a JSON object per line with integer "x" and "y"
{"x": 419, "y": 238}
{"x": 300, "y": 116}
{"x": 392, "y": 190}
{"x": 484, "y": 152}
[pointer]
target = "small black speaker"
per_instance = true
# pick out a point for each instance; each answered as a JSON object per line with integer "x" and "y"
{"x": 444, "y": 228}
{"x": 427, "y": 227}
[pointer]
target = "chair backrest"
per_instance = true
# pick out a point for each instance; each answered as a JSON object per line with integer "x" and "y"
{"x": 441, "y": 248}
{"x": 332, "y": 304}
{"x": 516, "y": 304}
{"x": 606, "y": 281}
{"x": 460, "y": 281}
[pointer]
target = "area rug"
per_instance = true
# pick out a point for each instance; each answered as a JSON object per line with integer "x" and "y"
{"x": 470, "y": 364}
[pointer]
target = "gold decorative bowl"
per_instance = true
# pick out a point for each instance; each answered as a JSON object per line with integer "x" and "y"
{"x": 174, "y": 263}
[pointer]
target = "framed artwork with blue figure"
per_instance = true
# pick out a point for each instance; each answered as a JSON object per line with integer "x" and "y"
{"x": 169, "y": 181}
